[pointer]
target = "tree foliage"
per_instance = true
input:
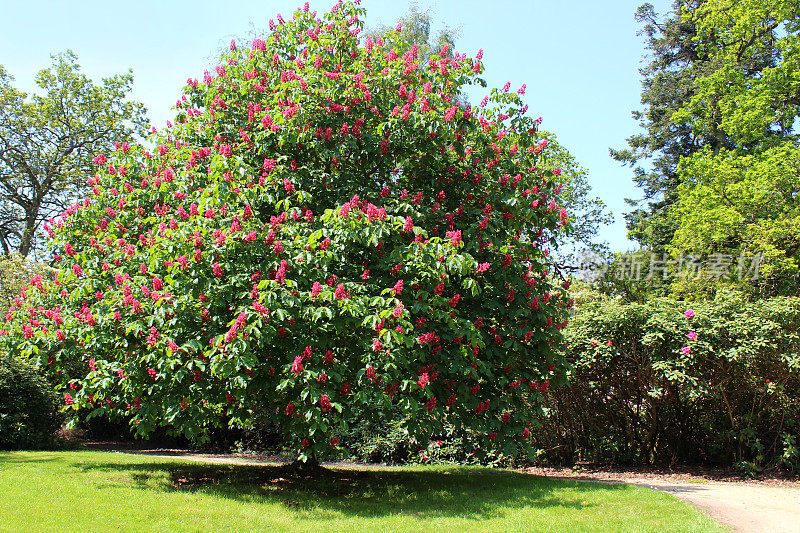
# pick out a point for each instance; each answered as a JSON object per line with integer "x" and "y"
{"x": 29, "y": 408}
{"x": 48, "y": 139}
{"x": 324, "y": 228}
{"x": 667, "y": 84}
{"x": 679, "y": 58}
{"x": 15, "y": 275}
{"x": 588, "y": 211}
{"x": 742, "y": 196}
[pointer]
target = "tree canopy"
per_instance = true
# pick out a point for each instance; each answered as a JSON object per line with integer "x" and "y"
{"x": 48, "y": 140}
{"x": 741, "y": 196}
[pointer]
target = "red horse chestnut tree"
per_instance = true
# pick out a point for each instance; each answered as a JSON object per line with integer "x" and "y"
{"x": 325, "y": 227}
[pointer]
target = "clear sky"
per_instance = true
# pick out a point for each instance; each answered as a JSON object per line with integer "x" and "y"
{"x": 579, "y": 58}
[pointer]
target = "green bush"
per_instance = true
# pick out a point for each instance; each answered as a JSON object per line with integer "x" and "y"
{"x": 642, "y": 392}
{"x": 380, "y": 439}
{"x": 29, "y": 409}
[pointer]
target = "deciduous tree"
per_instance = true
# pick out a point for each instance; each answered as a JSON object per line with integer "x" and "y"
{"x": 741, "y": 196}
{"x": 48, "y": 140}
{"x": 324, "y": 228}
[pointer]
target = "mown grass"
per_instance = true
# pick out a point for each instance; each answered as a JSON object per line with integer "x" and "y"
{"x": 99, "y": 491}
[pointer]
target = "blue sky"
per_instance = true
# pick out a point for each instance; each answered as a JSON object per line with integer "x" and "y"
{"x": 579, "y": 58}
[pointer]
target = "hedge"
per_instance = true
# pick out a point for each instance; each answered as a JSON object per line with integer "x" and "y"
{"x": 642, "y": 391}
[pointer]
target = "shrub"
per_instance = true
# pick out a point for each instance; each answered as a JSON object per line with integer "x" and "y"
{"x": 325, "y": 228}
{"x": 644, "y": 389}
{"x": 380, "y": 438}
{"x": 29, "y": 415}
{"x": 384, "y": 439}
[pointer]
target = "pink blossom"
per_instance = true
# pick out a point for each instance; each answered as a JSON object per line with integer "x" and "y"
{"x": 316, "y": 288}
{"x": 423, "y": 380}
{"x": 692, "y": 335}
{"x": 689, "y": 313}
{"x": 341, "y": 293}
{"x": 325, "y": 403}
{"x": 686, "y": 350}
{"x": 297, "y": 365}
{"x": 430, "y": 405}
{"x": 454, "y": 236}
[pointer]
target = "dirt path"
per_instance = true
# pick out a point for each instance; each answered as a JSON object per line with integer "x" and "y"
{"x": 769, "y": 507}
{"x": 745, "y": 507}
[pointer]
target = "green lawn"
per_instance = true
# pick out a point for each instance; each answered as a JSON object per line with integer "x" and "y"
{"x": 96, "y": 491}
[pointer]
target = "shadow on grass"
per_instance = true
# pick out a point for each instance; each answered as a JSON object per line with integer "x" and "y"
{"x": 469, "y": 493}
{"x": 17, "y": 457}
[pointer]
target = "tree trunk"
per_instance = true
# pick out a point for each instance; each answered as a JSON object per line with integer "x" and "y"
{"x": 311, "y": 467}
{"x": 27, "y": 235}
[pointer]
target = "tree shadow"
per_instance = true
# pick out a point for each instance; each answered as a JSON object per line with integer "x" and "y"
{"x": 464, "y": 492}
{"x": 17, "y": 457}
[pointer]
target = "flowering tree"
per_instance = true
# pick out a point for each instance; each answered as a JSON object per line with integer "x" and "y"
{"x": 322, "y": 229}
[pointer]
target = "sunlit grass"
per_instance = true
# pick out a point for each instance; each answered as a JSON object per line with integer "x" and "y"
{"x": 97, "y": 491}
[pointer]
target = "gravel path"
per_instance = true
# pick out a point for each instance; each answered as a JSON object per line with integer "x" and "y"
{"x": 771, "y": 506}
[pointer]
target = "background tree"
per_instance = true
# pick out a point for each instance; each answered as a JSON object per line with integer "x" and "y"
{"x": 740, "y": 196}
{"x": 679, "y": 57}
{"x": 667, "y": 84}
{"x": 48, "y": 140}
{"x": 415, "y": 29}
